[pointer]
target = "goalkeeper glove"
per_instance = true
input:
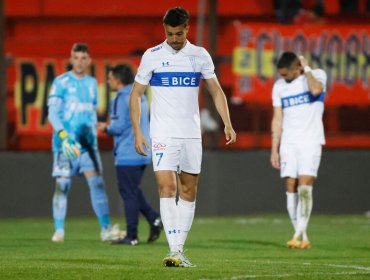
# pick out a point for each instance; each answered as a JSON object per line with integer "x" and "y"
{"x": 70, "y": 147}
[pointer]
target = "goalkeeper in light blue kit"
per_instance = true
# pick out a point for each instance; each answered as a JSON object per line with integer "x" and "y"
{"x": 72, "y": 112}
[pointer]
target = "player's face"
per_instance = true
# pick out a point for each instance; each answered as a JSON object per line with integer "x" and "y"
{"x": 176, "y": 36}
{"x": 113, "y": 82}
{"x": 290, "y": 73}
{"x": 80, "y": 63}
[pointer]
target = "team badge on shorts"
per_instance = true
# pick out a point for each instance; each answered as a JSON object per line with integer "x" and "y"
{"x": 159, "y": 147}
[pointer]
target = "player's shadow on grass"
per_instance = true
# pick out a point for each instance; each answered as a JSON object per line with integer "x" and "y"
{"x": 239, "y": 243}
{"x": 267, "y": 243}
{"x": 77, "y": 261}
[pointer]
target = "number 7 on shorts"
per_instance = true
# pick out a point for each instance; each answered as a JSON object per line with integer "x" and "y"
{"x": 160, "y": 157}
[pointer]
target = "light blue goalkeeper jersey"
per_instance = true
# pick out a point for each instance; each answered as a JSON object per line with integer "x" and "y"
{"x": 72, "y": 106}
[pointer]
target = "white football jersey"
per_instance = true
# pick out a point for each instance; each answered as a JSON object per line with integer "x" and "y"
{"x": 302, "y": 112}
{"x": 174, "y": 77}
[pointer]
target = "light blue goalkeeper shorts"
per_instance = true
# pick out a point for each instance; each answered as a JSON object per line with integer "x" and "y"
{"x": 87, "y": 161}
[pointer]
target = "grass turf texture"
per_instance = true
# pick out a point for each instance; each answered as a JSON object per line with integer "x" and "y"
{"x": 222, "y": 248}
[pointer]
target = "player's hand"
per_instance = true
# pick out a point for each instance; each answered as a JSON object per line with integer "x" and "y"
{"x": 275, "y": 160}
{"x": 70, "y": 148}
{"x": 102, "y": 126}
{"x": 141, "y": 146}
{"x": 303, "y": 61}
{"x": 230, "y": 135}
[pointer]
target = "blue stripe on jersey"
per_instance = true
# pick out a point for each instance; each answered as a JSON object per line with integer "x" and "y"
{"x": 175, "y": 79}
{"x": 302, "y": 98}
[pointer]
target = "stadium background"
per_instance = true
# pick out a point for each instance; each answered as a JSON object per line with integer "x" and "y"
{"x": 244, "y": 38}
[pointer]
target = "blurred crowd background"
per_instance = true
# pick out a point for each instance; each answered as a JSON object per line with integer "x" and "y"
{"x": 244, "y": 37}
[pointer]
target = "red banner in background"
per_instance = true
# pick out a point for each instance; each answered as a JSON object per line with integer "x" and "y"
{"x": 343, "y": 52}
{"x": 33, "y": 81}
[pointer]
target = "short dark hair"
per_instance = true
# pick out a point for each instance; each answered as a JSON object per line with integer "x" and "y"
{"x": 176, "y": 16}
{"x": 123, "y": 73}
{"x": 286, "y": 60}
{"x": 80, "y": 47}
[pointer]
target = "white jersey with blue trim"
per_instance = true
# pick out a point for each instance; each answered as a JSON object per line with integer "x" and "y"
{"x": 302, "y": 111}
{"x": 174, "y": 77}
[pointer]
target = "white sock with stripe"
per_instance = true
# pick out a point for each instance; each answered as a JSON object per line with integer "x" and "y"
{"x": 186, "y": 216}
{"x": 170, "y": 217}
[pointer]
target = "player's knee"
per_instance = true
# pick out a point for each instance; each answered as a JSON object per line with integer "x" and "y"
{"x": 305, "y": 191}
{"x": 188, "y": 193}
{"x": 167, "y": 190}
{"x": 306, "y": 180}
{"x": 62, "y": 185}
{"x": 96, "y": 182}
{"x": 167, "y": 193}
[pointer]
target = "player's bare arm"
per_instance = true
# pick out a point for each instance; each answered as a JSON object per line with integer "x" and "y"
{"x": 276, "y": 128}
{"x": 135, "y": 109}
{"x": 220, "y": 102}
{"x": 315, "y": 86}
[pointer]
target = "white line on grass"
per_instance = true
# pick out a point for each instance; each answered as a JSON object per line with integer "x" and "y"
{"x": 349, "y": 266}
{"x": 283, "y": 275}
{"x": 248, "y": 276}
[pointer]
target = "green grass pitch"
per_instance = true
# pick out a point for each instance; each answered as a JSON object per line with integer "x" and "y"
{"x": 248, "y": 247}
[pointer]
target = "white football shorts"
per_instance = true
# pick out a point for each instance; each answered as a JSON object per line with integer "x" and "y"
{"x": 299, "y": 159}
{"x": 177, "y": 154}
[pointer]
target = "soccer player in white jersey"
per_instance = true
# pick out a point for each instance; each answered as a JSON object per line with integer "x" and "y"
{"x": 174, "y": 69}
{"x": 298, "y": 136}
{"x": 72, "y": 113}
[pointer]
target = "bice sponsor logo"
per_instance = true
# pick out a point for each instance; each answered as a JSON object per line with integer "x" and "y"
{"x": 300, "y": 99}
{"x": 179, "y": 81}
{"x": 175, "y": 79}
{"x": 296, "y": 100}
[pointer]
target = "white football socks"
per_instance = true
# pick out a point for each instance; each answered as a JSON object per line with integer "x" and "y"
{"x": 186, "y": 216}
{"x": 177, "y": 221}
{"x": 170, "y": 216}
{"x": 291, "y": 205}
{"x": 303, "y": 210}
